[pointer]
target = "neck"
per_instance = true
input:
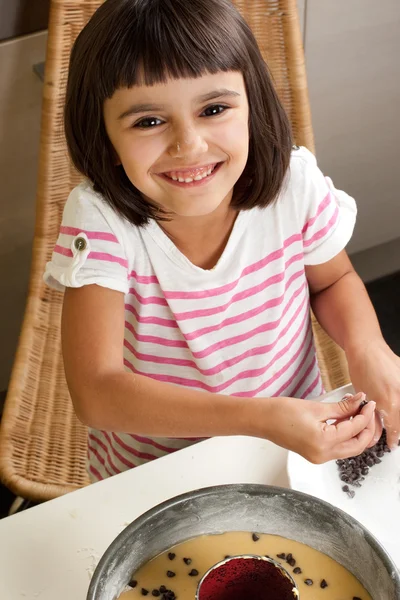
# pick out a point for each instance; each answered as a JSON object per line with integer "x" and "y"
{"x": 202, "y": 239}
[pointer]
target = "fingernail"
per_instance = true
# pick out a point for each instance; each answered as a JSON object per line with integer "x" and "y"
{"x": 394, "y": 447}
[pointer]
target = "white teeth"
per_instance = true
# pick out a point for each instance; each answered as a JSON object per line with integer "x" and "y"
{"x": 175, "y": 177}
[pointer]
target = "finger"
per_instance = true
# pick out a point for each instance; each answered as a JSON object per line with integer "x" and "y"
{"x": 346, "y": 430}
{"x": 373, "y": 426}
{"x": 391, "y": 418}
{"x": 348, "y": 407}
{"x": 356, "y": 445}
{"x": 378, "y": 430}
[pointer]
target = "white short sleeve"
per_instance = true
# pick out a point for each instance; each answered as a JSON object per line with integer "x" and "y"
{"x": 89, "y": 249}
{"x": 327, "y": 216}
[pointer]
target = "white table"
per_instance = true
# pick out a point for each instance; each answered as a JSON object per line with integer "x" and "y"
{"x": 49, "y": 552}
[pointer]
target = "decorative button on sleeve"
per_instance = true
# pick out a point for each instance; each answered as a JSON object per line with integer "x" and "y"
{"x": 80, "y": 244}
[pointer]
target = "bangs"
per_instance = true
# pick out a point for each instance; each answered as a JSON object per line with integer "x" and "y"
{"x": 158, "y": 40}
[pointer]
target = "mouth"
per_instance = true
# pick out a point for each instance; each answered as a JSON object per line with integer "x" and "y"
{"x": 191, "y": 177}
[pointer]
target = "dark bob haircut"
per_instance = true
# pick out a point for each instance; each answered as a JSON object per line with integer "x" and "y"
{"x": 129, "y": 42}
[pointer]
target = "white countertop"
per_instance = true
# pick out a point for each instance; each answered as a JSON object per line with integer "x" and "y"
{"x": 49, "y": 552}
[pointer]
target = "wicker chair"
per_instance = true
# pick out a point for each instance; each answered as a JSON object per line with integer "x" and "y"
{"x": 42, "y": 444}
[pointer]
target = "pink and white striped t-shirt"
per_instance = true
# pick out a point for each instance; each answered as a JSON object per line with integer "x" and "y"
{"x": 242, "y": 328}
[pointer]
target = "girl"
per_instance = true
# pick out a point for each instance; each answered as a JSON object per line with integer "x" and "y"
{"x": 192, "y": 252}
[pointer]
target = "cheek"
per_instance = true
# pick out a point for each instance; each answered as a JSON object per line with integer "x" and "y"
{"x": 139, "y": 155}
{"x": 235, "y": 139}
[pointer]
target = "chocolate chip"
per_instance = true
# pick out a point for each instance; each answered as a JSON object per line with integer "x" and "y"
{"x": 170, "y": 574}
{"x": 144, "y": 592}
{"x": 356, "y": 598}
{"x": 255, "y": 537}
{"x": 282, "y": 555}
{"x": 291, "y": 562}
{"x": 351, "y": 494}
{"x": 162, "y": 589}
{"x": 308, "y": 582}
{"x": 297, "y": 570}
{"x": 193, "y": 573}
{"x": 155, "y": 593}
{"x": 323, "y": 584}
{"x": 187, "y": 561}
{"x": 345, "y": 488}
{"x": 171, "y": 555}
{"x": 227, "y": 556}
{"x": 132, "y": 583}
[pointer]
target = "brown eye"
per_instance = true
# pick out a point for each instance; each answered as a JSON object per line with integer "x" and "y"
{"x": 215, "y": 109}
{"x": 148, "y": 123}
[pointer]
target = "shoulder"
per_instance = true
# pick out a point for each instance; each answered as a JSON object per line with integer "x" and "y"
{"x": 303, "y": 165}
{"x": 304, "y": 184}
{"x": 87, "y": 209}
{"x": 84, "y": 201}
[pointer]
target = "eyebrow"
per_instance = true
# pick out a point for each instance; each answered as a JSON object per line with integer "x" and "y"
{"x": 141, "y": 108}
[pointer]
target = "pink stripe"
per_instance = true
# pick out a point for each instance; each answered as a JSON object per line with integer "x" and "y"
{"x": 95, "y": 472}
{"x": 100, "y": 459}
{"x": 237, "y": 339}
{"x": 107, "y": 450}
{"x": 252, "y": 333}
{"x": 273, "y": 303}
{"x": 322, "y": 232}
{"x": 64, "y": 251}
{"x": 104, "y": 256}
{"x": 225, "y": 364}
{"x": 219, "y": 388}
{"x": 152, "y": 339}
{"x": 305, "y": 375}
{"x": 245, "y": 336}
{"x": 274, "y": 279}
{"x": 311, "y": 387}
{"x": 284, "y": 387}
{"x": 266, "y": 384}
{"x": 325, "y": 202}
{"x": 143, "y": 278}
{"x": 230, "y": 286}
{"x": 148, "y": 299}
{"x": 137, "y": 453}
{"x": 92, "y": 235}
{"x": 144, "y": 440}
{"x": 117, "y": 455}
{"x": 151, "y": 320}
{"x": 207, "y": 312}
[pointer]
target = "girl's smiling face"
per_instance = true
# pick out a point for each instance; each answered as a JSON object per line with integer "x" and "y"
{"x": 184, "y": 143}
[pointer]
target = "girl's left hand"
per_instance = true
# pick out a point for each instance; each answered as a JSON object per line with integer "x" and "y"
{"x": 375, "y": 370}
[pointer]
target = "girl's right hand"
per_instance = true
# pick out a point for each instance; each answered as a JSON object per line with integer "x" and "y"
{"x": 302, "y": 426}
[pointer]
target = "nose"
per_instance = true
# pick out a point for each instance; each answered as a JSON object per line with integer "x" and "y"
{"x": 187, "y": 143}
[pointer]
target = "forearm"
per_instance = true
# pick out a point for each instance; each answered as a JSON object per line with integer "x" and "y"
{"x": 125, "y": 402}
{"x": 346, "y": 313}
